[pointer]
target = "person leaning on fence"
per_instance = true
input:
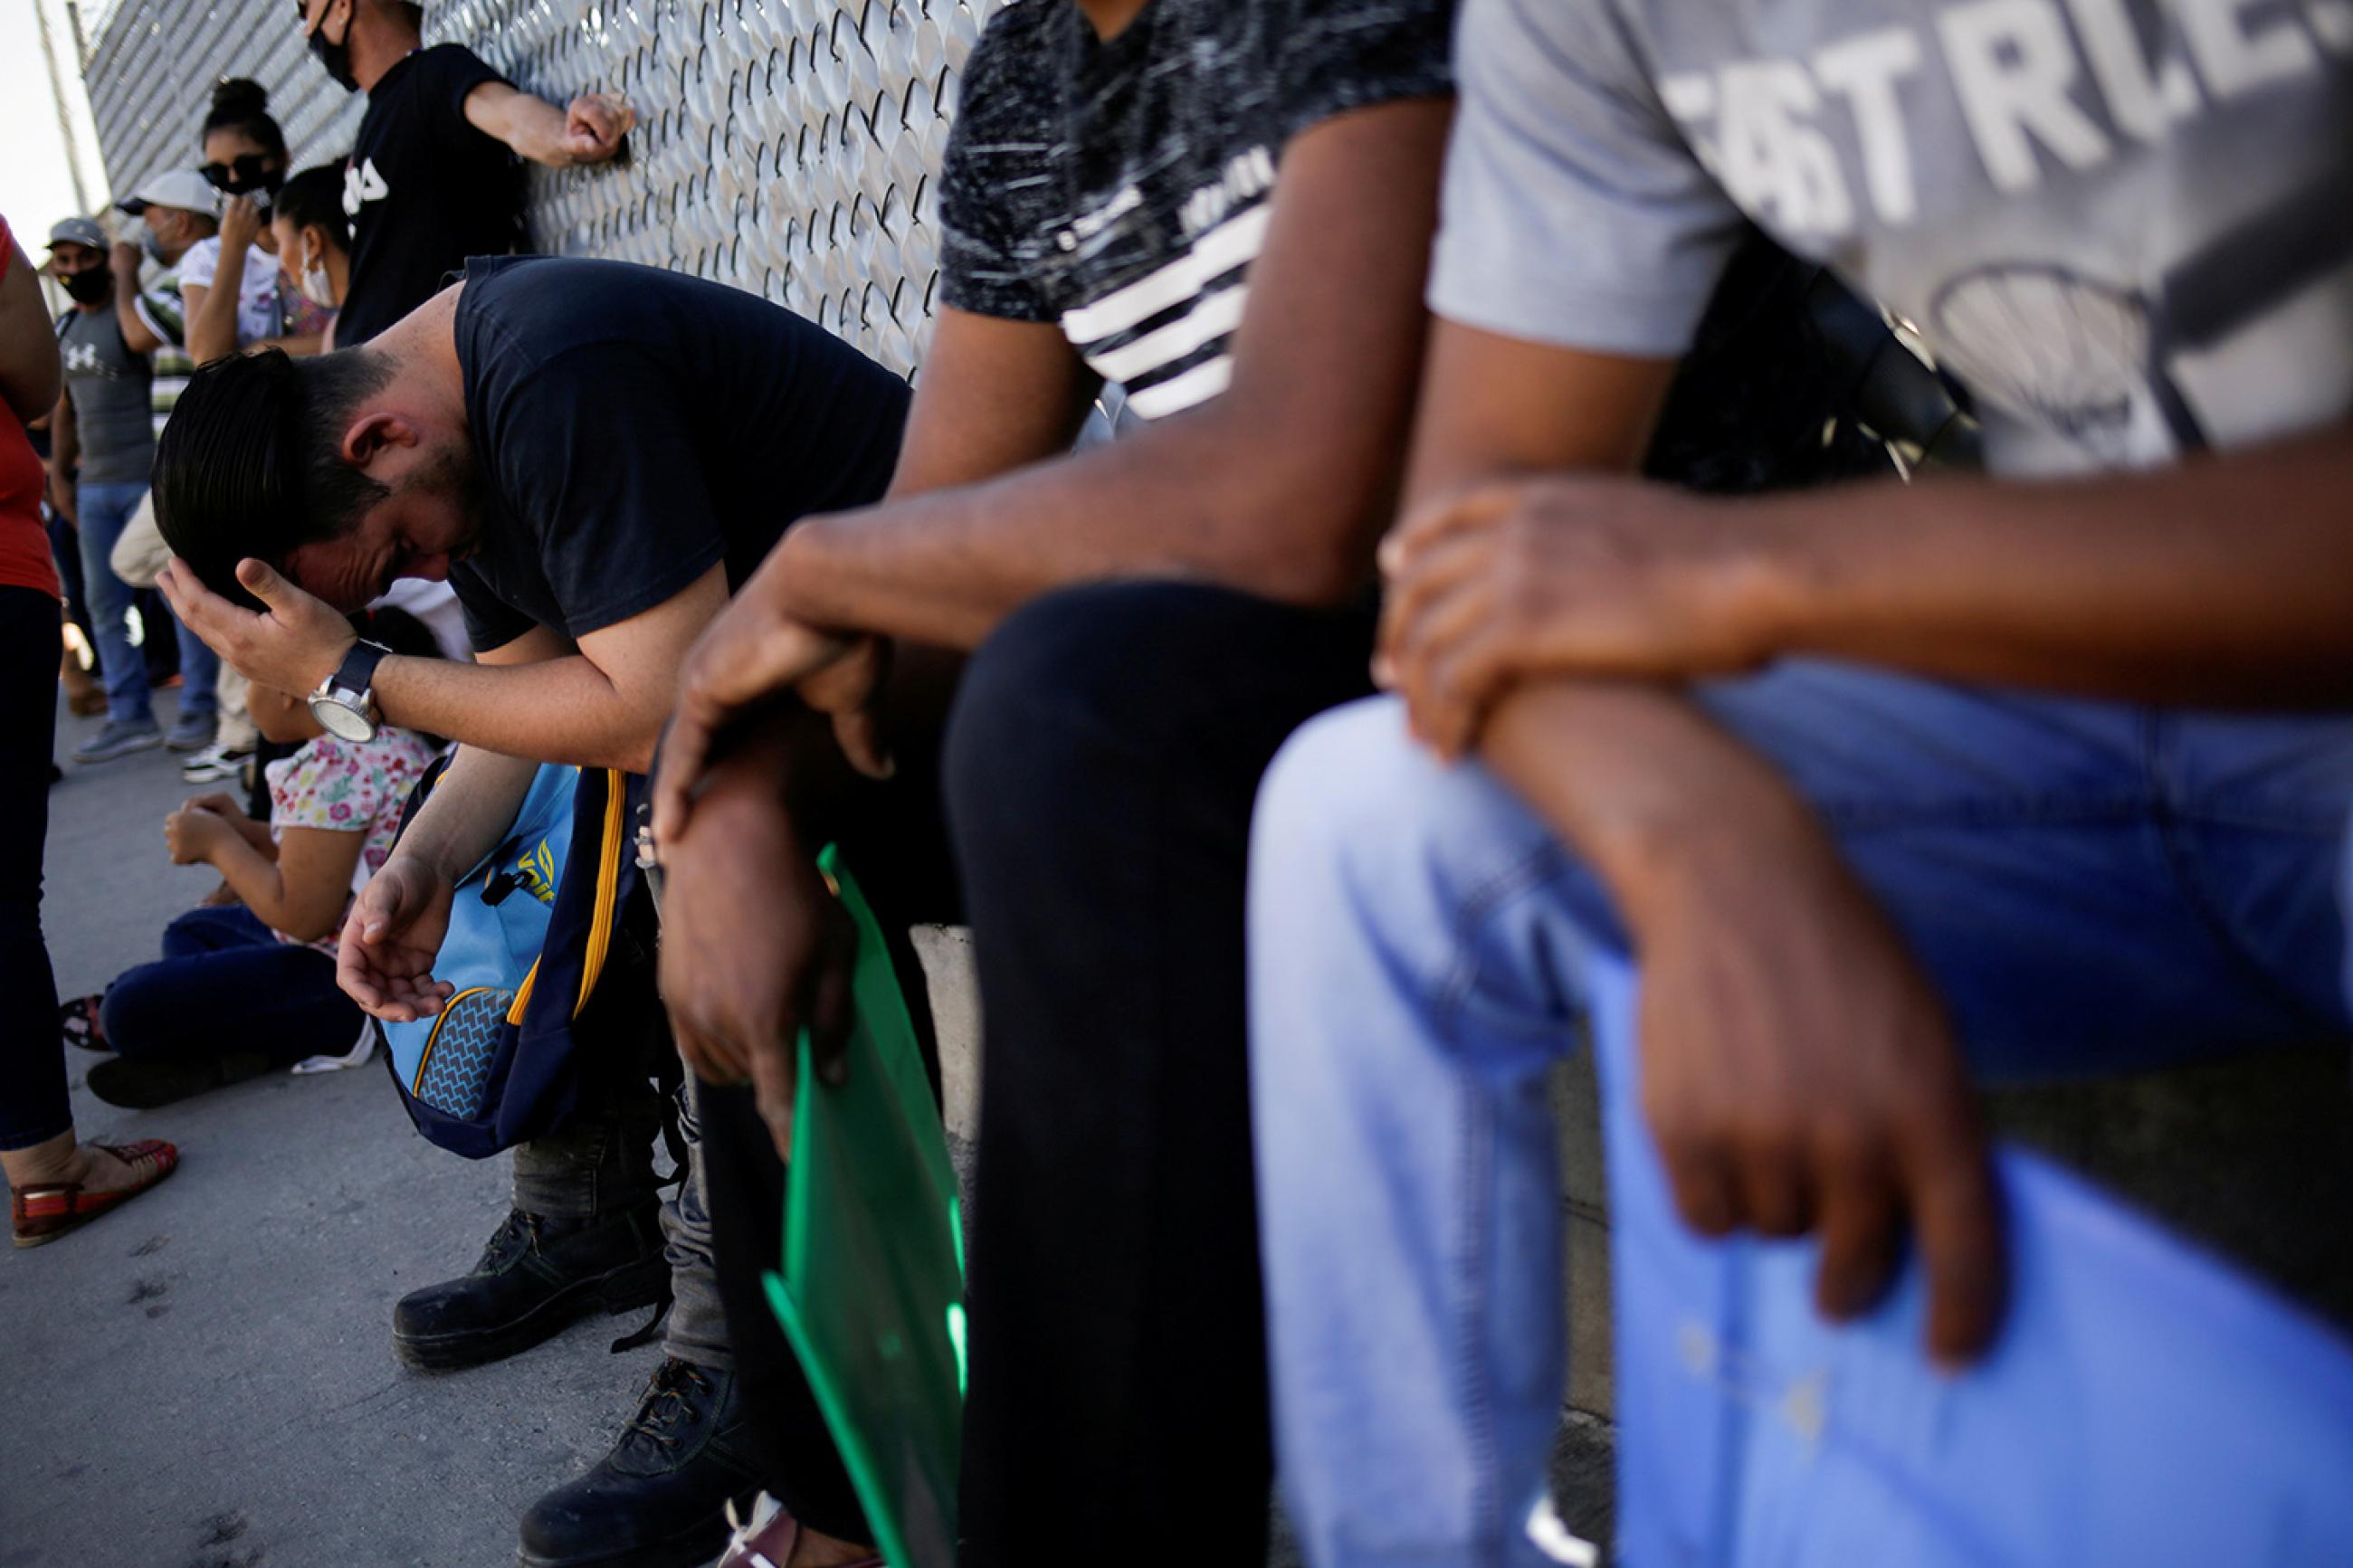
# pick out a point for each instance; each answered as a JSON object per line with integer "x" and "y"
{"x": 1865, "y": 778}
{"x": 432, "y": 177}
{"x": 594, "y": 454}
{"x": 1225, "y": 207}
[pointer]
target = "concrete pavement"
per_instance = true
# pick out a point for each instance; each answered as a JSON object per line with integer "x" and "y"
{"x": 204, "y": 1378}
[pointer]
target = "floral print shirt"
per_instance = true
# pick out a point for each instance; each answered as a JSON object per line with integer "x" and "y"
{"x": 341, "y": 787}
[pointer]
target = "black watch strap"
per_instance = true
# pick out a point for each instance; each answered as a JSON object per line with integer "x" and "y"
{"x": 357, "y": 672}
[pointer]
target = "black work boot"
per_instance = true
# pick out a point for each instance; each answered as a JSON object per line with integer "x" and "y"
{"x": 536, "y": 1276}
{"x": 659, "y": 1498}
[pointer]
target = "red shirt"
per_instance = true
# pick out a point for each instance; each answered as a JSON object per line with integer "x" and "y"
{"x": 24, "y": 544}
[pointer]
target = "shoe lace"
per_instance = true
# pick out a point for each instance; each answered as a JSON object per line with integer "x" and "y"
{"x": 668, "y": 1397}
{"x": 519, "y": 1231}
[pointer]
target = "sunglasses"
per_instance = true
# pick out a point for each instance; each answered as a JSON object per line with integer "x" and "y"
{"x": 243, "y": 173}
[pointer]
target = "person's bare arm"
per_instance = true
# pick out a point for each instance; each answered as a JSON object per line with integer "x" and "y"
{"x": 2228, "y": 580}
{"x": 300, "y": 893}
{"x": 65, "y": 451}
{"x": 31, "y": 380}
{"x": 601, "y": 705}
{"x": 753, "y": 948}
{"x": 137, "y": 335}
{"x": 1798, "y": 1071}
{"x": 1278, "y": 486}
{"x": 587, "y": 130}
{"x": 212, "y": 310}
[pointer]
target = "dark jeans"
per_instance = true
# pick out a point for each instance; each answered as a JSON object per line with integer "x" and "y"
{"x": 895, "y": 844}
{"x": 1103, "y": 760}
{"x": 33, "y": 1107}
{"x": 1099, "y": 767}
{"x": 227, "y": 984}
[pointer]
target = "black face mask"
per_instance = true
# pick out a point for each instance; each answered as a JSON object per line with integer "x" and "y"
{"x": 90, "y": 286}
{"x": 336, "y": 57}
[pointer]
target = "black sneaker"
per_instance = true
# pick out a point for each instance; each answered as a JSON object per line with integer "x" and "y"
{"x": 143, "y": 1083}
{"x": 659, "y": 1498}
{"x": 536, "y": 1275}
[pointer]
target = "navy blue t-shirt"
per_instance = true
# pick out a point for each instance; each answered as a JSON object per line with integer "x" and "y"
{"x": 635, "y": 427}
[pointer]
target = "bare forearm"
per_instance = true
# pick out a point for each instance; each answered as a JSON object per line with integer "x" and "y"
{"x": 2228, "y": 580}
{"x": 212, "y": 326}
{"x": 254, "y": 877}
{"x": 468, "y": 811}
{"x": 554, "y": 710}
{"x": 536, "y": 133}
{"x": 1635, "y": 776}
{"x": 65, "y": 442}
{"x": 1186, "y": 498}
{"x": 136, "y": 334}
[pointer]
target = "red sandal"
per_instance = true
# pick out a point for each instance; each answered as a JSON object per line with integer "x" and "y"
{"x": 45, "y": 1213}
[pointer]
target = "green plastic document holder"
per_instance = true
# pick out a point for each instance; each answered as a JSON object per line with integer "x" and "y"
{"x": 872, "y": 1291}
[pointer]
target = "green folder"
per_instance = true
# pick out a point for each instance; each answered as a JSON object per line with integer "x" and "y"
{"x": 872, "y": 1291}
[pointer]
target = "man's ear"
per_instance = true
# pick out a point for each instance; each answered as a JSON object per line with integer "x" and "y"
{"x": 371, "y": 436}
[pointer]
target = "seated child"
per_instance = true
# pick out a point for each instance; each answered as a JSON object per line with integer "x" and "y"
{"x": 246, "y": 986}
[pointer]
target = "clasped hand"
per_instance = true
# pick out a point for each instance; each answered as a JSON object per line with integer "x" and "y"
{"x": 1559, "y": 576}
{"x": 754, "y": 945}
{"x": 1798, "y": 1072}
{"x": 753, "y": 655}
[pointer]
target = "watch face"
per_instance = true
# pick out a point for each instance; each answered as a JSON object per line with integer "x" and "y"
{"x": 343, "y": 723}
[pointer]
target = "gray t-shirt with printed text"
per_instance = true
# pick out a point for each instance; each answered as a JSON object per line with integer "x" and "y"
{"x": 2127, "y": 226}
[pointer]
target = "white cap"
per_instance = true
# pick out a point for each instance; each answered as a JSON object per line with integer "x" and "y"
{"x": 182, "y": 188}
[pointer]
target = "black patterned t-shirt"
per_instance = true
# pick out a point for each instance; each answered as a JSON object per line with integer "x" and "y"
{"x": 1121, "y": 187}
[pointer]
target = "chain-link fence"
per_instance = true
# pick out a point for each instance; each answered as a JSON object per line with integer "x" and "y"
{"x": 788, "y": 147}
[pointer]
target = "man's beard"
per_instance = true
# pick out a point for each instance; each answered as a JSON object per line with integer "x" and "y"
{"x": 455, "y": 475}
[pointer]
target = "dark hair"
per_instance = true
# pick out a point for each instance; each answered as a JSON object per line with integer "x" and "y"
{"x": 242, "y": 105}
{"x": 250, "y": 464}
{"x": 314, "y": 198}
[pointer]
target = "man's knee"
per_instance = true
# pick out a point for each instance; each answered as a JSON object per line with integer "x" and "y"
{"x": 1352, "y": 794}
{"x": 1066, "y": 682}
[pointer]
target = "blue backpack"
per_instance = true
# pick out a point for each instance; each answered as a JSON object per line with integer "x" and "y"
{"x": 532, "y": 934}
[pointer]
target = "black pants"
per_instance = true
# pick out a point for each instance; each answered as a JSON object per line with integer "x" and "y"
{"x": 1101, "y": 764}
{"x": 1102, "y": 761}
{"x": 33, "y": 1107}
{"x": 895, "y": 843}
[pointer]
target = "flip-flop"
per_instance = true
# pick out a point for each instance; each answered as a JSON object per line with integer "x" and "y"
{"x": 43, "y": 1214}
{"x": 78, "y": 1023}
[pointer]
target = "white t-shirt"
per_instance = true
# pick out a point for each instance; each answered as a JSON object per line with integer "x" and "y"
{"x": 436, "y": 605}
{"x": 258, "y": 311}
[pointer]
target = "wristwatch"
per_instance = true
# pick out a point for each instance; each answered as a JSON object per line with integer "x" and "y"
{"x": 344, "y": 704}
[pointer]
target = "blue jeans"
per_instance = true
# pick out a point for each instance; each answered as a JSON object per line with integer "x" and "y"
{"x": 105, "y": 512}
{"x": 227, "y": 984}
{"x": 2091, "y": 887}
